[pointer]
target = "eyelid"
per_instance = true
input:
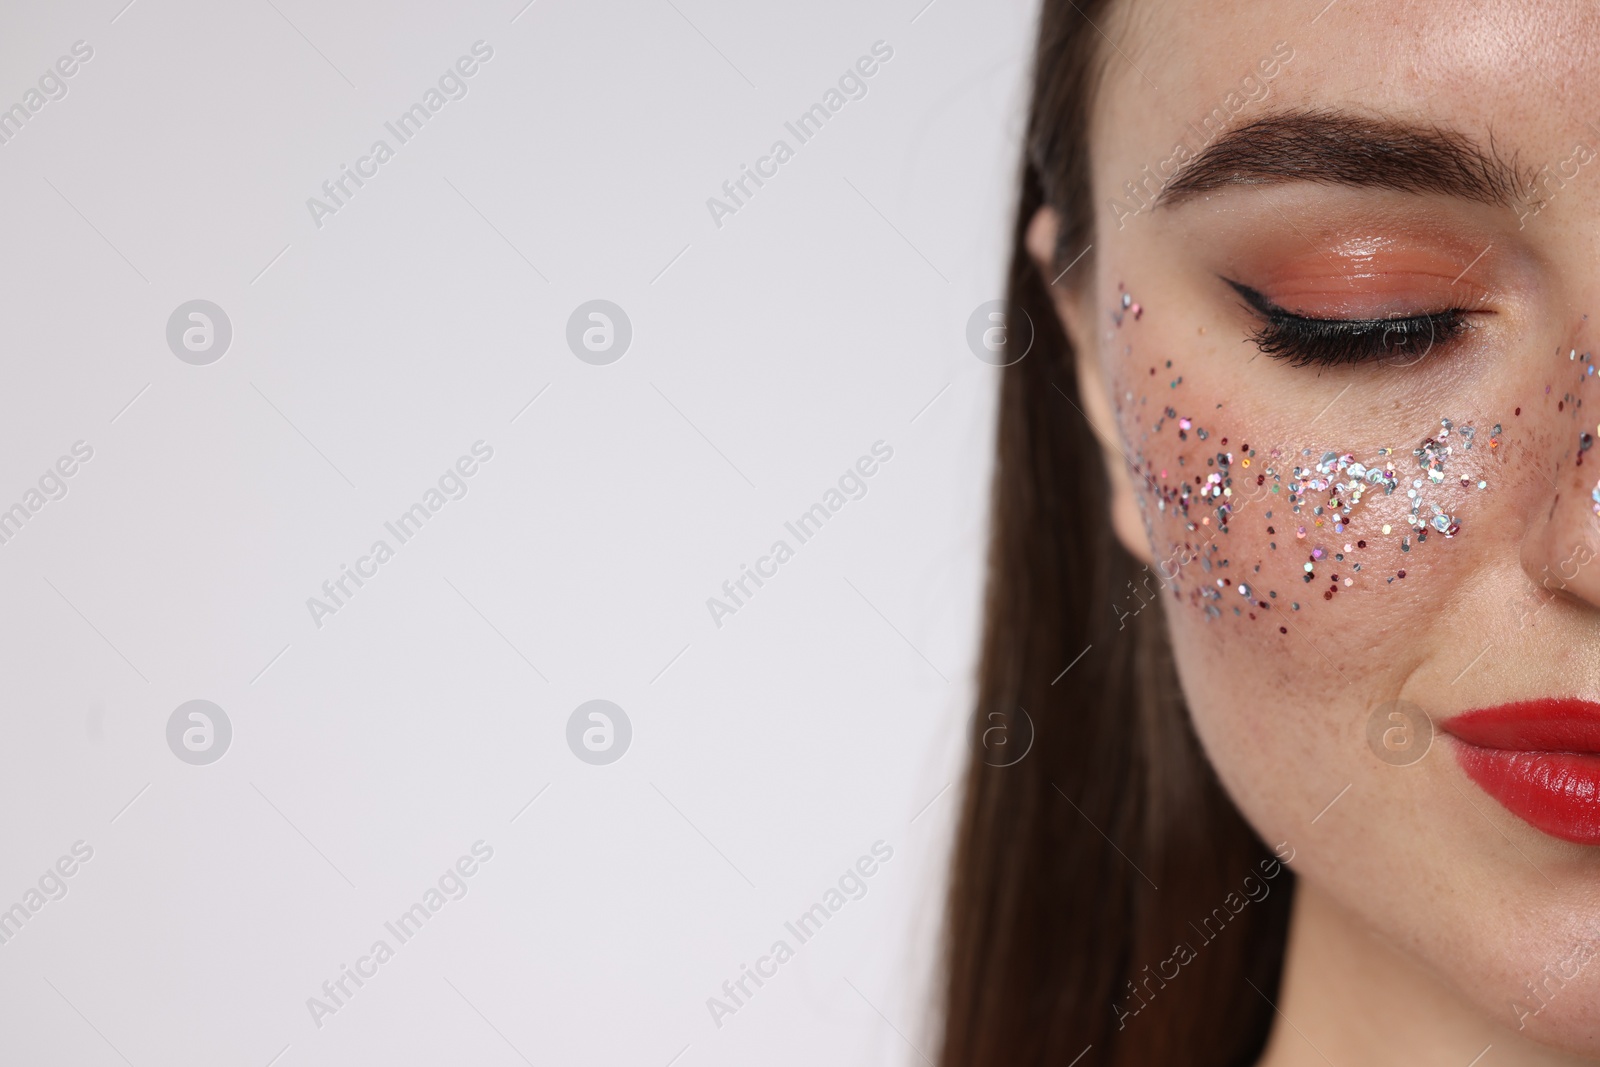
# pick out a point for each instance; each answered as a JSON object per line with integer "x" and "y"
{"x": 1302, "y": 340}
{"x": 1265, "y": 307}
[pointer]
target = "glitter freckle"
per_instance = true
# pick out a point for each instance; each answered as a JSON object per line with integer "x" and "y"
{"x": 1323, "y": 490}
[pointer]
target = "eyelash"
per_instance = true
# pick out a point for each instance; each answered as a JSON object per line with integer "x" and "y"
{"x": 1302, "y": 341}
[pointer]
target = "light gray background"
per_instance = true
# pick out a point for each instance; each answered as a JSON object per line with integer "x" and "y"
{"x": 767, "y": 355}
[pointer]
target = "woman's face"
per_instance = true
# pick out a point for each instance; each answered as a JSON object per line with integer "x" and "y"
{"x": 1353, "y": 526}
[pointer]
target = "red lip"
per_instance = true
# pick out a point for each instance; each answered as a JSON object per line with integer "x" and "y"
{"x": 1540, "y": 759}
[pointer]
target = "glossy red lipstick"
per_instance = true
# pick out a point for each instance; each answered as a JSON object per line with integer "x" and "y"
{"x": 1538, "y": 758}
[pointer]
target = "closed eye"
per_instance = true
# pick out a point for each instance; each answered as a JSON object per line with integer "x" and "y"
{"x": 1302, "y": 341}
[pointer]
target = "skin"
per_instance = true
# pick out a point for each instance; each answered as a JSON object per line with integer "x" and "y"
{"x": 1424, "y": 906}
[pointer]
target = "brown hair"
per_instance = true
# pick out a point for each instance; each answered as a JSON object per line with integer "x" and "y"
{"x": 1056, "y": 932}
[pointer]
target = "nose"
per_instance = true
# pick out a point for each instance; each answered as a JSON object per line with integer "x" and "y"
{"x": 1561, "y": 551}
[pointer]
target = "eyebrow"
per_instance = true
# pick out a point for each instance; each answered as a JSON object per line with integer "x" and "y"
{"x": 1339, "y": 148}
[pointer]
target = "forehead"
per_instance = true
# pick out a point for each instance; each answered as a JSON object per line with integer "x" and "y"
{"x": 1513, "y": 73}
